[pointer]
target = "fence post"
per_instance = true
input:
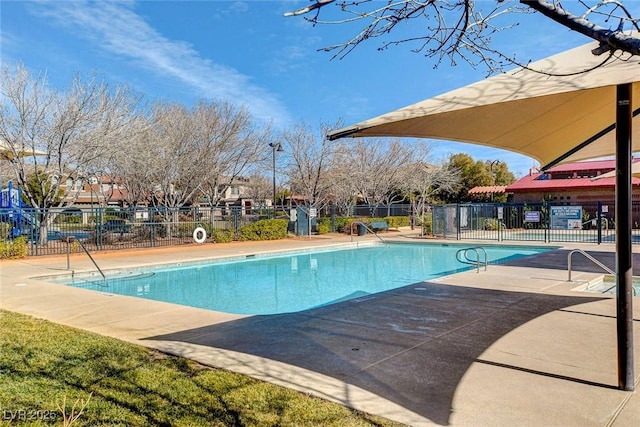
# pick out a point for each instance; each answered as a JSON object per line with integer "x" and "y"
{"x": 332, "y": 210}
{"x": 236, "y": 219}
{"x": 99, "y": 222}
{"x": 599, "y": 222}
{"x": 500, "y": 219}
{"x": 458, "y": 230}
{"x": 547, "y": 219}
{"x": 68, "y": 253}
{"x": 35, "y": 229}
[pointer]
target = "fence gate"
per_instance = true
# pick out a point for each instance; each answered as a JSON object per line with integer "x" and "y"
{"x": 585, "y": 222}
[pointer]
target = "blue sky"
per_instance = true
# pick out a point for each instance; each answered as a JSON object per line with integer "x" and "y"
{"x": 247, "y": 52}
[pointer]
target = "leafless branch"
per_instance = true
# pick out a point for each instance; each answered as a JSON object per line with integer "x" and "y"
{"x": 463, "y": 30}
{"x": 317, "y": 5}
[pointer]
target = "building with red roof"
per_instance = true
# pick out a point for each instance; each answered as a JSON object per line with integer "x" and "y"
{"x": 570, "y": 183}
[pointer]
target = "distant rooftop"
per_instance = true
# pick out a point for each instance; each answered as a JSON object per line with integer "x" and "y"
{"x": 570, "y": 175}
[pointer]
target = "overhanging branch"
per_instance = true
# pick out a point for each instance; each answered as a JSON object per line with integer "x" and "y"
{"x": 610, "y": 40}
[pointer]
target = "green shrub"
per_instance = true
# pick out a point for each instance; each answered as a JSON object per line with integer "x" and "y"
{"x": 219, "y": 235}
{"x": 184, "y": 230}
{"x": 70, "y": 219}
{"x": 427, "y": 224}
{"x": 343, "y": 224}
{"x": 491, "y": 224}
{"x": 208, "y": 227}
{"x": 222, "y": 236}
{"x": 340, "y": 223}
{"x": 324, "y": 225}
{"x": 348, "y": 224}
{"x": 265, "y": 229}
{"x": 5, "y": 230}
{"x": 397, "y": 221}
{"x": 14, "y": 249}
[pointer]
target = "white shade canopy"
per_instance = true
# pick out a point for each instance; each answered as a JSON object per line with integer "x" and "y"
{"x": 7, "y": 152}
{"x": 551, "y": 118}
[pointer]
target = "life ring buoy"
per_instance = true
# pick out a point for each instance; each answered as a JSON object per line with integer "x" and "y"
{"x": 199, "y": 235}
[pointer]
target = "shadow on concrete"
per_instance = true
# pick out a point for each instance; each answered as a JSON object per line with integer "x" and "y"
{"x": 558, "y": 260}
{"x": 410, "y": 345}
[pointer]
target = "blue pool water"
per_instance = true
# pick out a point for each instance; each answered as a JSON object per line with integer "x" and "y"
{"x": 295, "y": 281}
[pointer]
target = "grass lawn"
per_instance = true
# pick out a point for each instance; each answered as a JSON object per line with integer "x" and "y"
{"x": 45, "y": 367}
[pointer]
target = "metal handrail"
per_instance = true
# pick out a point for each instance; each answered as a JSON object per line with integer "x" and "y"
{"x": 471, "y": 261}
{"x": 73, "y": 238}
{"x": 602, "y": 219}
{"x": 595, "y": 261}
{"x": 365, "y": 226}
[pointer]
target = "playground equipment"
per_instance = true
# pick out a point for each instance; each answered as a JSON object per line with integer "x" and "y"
{"x": 13, "y": 211}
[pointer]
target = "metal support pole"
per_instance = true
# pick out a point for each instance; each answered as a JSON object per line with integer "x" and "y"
{"x": 273, "y": 149}
{"x": 599, "y": 222}
{"x": 458, "y": 231}
{"x": 275, "y": 146}
{"x": 624, "y": 272}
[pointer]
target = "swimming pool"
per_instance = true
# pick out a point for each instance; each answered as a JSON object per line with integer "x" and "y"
{"x": 282, "y": 283}
{"x": 606, "y": 284}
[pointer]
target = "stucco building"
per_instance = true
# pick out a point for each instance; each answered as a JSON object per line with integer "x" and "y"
{"x": 571, "y": 183}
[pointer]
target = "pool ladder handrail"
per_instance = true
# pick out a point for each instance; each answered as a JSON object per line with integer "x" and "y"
{"x": 603, "y": 219}
{"x": 74, "y": 238}
{"x": 470, "y": 261}
{"x": 365, "y": 226}
{"x": 591, "y": 258}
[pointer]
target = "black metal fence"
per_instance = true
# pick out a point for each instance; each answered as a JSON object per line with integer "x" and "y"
{"x": 54, "y": 231}
{"x": 58, "y": 230}
{"x": 544, "y": 222}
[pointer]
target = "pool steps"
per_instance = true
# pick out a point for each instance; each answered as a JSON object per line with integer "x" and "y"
{"x": 463, "y": 256}
{"x": 595, "y": 261}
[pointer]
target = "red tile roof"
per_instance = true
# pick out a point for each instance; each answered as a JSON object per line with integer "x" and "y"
{"x": 531, "y": 182}
{"x": 601, "y": 165}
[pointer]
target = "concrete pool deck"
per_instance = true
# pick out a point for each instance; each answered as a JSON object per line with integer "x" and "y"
{"x": 513, "y": 345}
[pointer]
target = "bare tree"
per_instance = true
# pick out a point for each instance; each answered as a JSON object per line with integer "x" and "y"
{"x": 259, "y": 189}
{"x": 463, "y": 29}
{"x": 177, "y": 169}
{"x": 235, "y": 145}
{"x": 343, "y": 191}
{"x": 73, "y": 129}
{"x": 423, "y": 181}
{"x": 180, "y": 154}
{"x": 309, "y": 158}
{"x": 130, "y": 164}
{"x": 372, "y": 166}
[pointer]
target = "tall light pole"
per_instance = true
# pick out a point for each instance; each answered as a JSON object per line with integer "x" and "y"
{"x": 493, "y": 175}
{"x": 275, "y": 146}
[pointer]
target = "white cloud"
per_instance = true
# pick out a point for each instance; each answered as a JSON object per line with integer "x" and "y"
{"x": 116, "y": 28}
